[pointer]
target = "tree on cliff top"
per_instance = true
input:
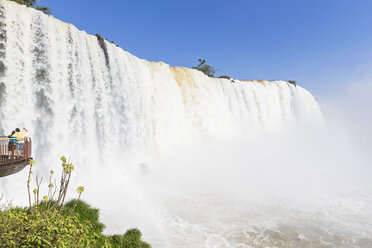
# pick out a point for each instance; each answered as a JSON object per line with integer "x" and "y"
{"x": 206, "y": 69}
{"x": 34, "y": 4}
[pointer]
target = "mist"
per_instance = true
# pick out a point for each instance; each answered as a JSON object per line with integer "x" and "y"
{"x": 305, "y": 185}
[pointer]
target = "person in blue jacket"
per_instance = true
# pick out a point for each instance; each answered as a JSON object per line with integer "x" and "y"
{"x": 11, "y": 144}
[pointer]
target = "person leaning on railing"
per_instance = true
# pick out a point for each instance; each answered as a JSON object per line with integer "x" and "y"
{"x": 20, "y": 140}
{"x": 11, "y": 144}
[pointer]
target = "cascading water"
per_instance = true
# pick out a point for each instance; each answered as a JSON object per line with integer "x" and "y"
{"x": 83, "y": 97}
{"x": 69, "y": 86}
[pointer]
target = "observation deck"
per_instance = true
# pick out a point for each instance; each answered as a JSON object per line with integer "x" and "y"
{"x": 12, "y": 160}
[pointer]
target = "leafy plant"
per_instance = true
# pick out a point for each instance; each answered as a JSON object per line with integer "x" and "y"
{"x": 132, "y": 238}
{"x": 85, "y": 213}
{"x": 51, "y": 223}
{"x": 206, "y": 69}
{"x": 67, "y": 169}
{"x": 23, "y": 228}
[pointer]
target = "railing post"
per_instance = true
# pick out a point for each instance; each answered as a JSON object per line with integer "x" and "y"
{"x": 13, "y": 157}
{"x": 2, "y": 152}
{"x": 25, "y": 149}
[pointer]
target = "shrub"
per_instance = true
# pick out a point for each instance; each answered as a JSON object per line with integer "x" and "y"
{"x": 292, "y": 82}
{"x": 51, "y": 223}
{"x": 206, "y": 69}
{"x": 84, "y": 212}
{"x": 22, "y": 228}
{"x": 33, "y": 4}
{"x": 223, "y": 76}
{"x": 131, "y": 239}
{"x": 46, "y": 10}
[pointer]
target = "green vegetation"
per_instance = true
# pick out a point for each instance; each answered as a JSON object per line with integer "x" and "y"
{"x": 84, "y": 213}
{"x": 132, "y": 239}
{"x": 51, "y": 223}
{"x": 210, "y": 71}
{"x": 21, "y": 227}
{"x": 223, "y": 76}
{"x": 206, "y": 69}
{"x": 34, "y": 4}
{"x": 46, "y": 10}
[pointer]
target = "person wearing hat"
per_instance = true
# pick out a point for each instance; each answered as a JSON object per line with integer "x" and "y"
{"x": 20, "y": 135}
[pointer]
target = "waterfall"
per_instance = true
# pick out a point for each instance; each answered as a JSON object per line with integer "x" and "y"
{"x": 80, "y": 94}
{"x": 85, "y": 98}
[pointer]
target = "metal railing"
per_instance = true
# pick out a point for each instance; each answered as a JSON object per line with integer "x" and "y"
{"x": 9, "y": 154}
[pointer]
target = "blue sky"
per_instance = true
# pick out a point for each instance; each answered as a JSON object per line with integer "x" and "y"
{"x": 322, "y": 44}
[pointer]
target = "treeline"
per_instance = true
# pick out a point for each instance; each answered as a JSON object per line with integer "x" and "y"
{"x": 34, "y": 4}
{"x": 210, "y": 71}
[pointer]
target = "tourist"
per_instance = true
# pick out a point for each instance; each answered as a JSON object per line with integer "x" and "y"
{"x": 20, "y": 135}
{"x": 11, "y": 144}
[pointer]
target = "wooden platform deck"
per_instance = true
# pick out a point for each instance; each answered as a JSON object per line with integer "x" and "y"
{"x": 10, "y": 161}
